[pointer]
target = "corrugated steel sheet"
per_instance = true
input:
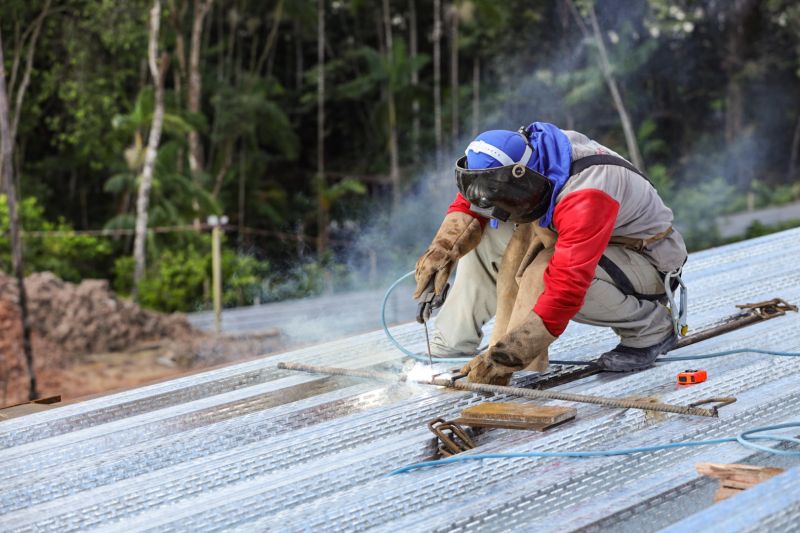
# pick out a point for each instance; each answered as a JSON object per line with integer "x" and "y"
{"x": 252, "y": 447}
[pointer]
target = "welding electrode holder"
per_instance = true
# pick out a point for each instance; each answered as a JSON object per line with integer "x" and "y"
{"x": 430, "y": 301}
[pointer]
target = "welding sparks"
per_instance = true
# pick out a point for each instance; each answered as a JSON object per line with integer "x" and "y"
{"x": 424, "y": 373}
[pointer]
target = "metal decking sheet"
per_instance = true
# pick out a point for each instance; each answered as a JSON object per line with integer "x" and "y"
{"x": 252, "y": 447}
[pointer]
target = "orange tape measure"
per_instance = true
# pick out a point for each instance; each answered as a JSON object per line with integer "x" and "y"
{"x": 690, "y": 377}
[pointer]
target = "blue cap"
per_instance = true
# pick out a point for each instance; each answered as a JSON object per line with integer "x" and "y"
{"x": 497, "y": 148}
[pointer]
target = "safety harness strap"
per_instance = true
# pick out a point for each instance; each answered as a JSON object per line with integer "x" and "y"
{"x": 639, "y": 245}
{"x": 635, "y": 244}
{"x": 579, "y": 165}
{"x": 622, "y": 281}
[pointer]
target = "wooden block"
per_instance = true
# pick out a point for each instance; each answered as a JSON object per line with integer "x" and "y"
{"x": 723, "y": 493}
{"x": 734, "y": 478}
{"x": 515, "y": 415}
{"x": 737, "y": 473}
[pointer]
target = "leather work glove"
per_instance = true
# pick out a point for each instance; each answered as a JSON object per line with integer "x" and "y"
{"x": 516, "y": 350}
{"x": 458, "y": 235}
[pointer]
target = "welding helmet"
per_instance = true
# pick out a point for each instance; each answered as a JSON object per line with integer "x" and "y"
{"x": 495, "y": 178}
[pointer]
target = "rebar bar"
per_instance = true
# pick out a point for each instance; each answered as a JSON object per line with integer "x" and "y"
{"x": 751, "y": 314}
{"x": 578, "y": 398}
{"x": 511, "y": 391}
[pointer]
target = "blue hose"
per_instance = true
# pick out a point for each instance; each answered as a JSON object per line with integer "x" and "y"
{"x": 424, "y": 358}
{"x": 724, "y": 353}
{"x": 417, "y": 356}
{"x": 462, "y": 360}
{"x": 744, "y": 438}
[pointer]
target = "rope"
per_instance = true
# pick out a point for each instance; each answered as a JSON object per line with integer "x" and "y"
{"x": 744, "y": 438}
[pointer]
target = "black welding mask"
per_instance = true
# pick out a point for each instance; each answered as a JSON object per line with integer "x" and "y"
{"x": 512, "y": 192}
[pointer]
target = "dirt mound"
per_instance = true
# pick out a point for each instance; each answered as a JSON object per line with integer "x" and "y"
{"x": 89, "y": 317}
{"x": 86, "y": 340}
{"x": 68, "y": 320}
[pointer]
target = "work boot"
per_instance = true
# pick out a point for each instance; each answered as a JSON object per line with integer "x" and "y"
{"x": 628, "y": 359}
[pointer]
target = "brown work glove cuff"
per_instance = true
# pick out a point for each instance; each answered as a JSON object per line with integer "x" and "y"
{"x": 481, "y": 369}
{"x": 458, "y": 235}
{"x": 525, "y": 346}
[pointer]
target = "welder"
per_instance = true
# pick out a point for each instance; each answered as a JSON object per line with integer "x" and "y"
{"x": 550, "y": 226}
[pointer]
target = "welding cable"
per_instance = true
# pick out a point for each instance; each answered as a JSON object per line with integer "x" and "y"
{"x": 462, "y": 360}
{"x": 724, "y": 353}
{"x": 745, "y": 438}
{"x": 423, "y": 357}
{"x": 395, "y": 343}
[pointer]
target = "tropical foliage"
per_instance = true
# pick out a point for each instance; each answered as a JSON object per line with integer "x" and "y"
{"x": 705, "y": 91}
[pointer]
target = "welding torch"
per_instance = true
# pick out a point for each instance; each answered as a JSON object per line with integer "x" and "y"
{"x": 429, "y": 301}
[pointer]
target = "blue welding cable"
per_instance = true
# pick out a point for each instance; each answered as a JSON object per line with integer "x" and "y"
{"x": 417, "y": 356}
{"x": 424, "y": 358}
{"x": 744, "y": 438}
{"x": 724, "y": 353}
{"x": 462, "y": 360}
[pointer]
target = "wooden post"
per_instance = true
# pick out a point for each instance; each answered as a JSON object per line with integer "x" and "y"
{"x": 216, "y": 268}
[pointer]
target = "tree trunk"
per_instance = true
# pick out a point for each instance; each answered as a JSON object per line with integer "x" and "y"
{"x": 224, "y": 167}
{"x": 201, "y": 7}
{"x": 413, "y": 52}
{"x": 26, "y": 77}
{"x": 476, "y": 96}
{"x": 242, "y": 185}
{"x": 7, "y": 178}
{"x": 394, "y": 155}
{"x": 454, "y": 87}
{"x": 298, "y": 57}
{"x": 738, "y": 14}
{"x": 176, "y": 17}
{"x": 322, "y": 211}
{"x": 611, "y": 82}
{"x": 158, "y": 73}
{"x": 794, "y": 152}
{"x": 272, "y": 38}
{"x": 564, "y": 17}
{"x": 437, "y": 79}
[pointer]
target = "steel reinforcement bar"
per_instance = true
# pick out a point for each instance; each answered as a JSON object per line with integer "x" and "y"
{"x": 512, "y": 391}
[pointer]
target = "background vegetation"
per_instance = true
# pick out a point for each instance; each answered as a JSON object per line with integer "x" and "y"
{"x": 703, "y": 92}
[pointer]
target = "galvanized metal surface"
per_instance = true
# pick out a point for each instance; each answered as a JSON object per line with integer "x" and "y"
{"x": 355, "y": 312}
{"x": 253, "y": 447}
{"x": 773, "y": 505}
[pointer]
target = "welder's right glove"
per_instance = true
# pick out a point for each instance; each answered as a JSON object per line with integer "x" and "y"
{"x": 483, "y": 369}
{"x": 525, "y": 344}
{"x": 458, "y": 235}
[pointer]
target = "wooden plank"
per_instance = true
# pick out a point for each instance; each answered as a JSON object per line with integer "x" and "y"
{"x": 734, "y": 478}
{"x": 515, "y": 415}
{"x": 738, "y": 473}
{"x": 28, "y": 408}
{"x": 723, "y": 493}
{"x": 24, "y": 409}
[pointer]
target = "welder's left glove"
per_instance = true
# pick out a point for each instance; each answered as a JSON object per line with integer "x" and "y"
{"x": 516, "y": 350}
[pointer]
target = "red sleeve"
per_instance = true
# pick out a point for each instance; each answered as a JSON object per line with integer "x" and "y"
{"x": 584, "y": 221}
{"x": 461, "y": 205}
